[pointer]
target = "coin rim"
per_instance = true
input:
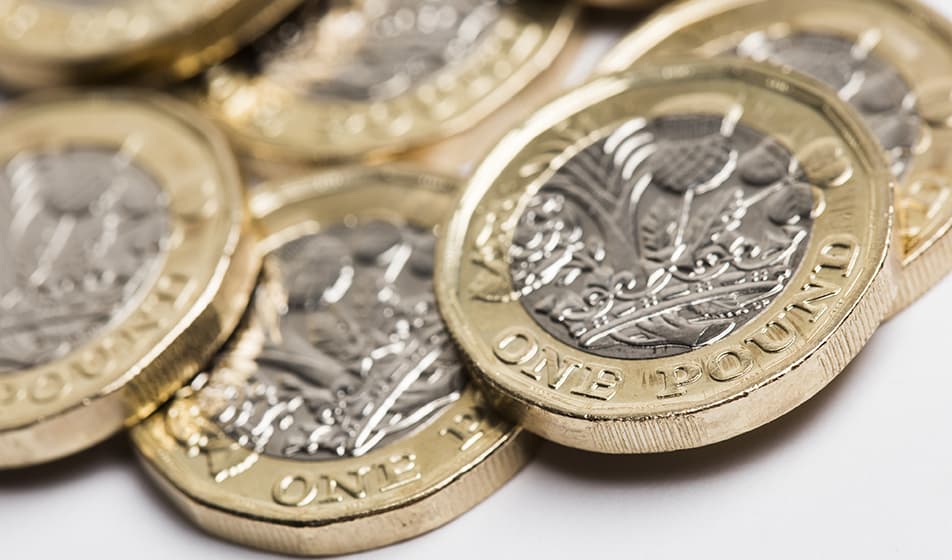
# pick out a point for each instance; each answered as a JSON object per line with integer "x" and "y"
{"x": 372, "y": 145}
{"x": 173, "y": 54}
{"x": 931, "y": 259}
{"x": 118, "y": 398}
{"x": 634, "y": 430}
{"x": 412, "y": 511}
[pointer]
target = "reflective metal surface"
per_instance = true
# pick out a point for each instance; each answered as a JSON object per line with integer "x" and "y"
{"x": 347, "y": 354}
{"x": 662, "y": 237}
{"x": 81, "y": 233}
{"x": 371, "y": 50}
{"x": 870, "y": 84}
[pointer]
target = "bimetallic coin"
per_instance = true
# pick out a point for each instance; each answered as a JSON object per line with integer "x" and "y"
{"x": 668, "y": 258}
{"x": 339, "y": 417}
{"x": 346, "y": 79}
{"x": 891, "y": 60}
{"x": 125, "y": 263}
{"x": 48, "y": 42}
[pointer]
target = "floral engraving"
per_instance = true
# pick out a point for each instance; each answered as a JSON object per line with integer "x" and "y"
{"x": 81, "y": 232}
{"x": 663, "y": 236}
{"x": 343, "y": 350}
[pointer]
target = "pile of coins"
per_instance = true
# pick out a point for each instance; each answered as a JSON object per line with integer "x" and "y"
{"x": 355, "y": 255}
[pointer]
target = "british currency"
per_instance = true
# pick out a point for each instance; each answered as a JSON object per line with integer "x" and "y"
{"x": 891, "y": 60}
{"x": 84, "y": 230}
{"x": 55, "y": 42}
{"x": 723, "y": 209}
{"x": 667, "y": 258}
{"x": 344, "y": 79}
{"x": 125, "y": 263}
{"x": 339, "y": 417}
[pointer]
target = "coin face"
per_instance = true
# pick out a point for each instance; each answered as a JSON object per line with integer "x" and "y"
{"x": 118, "y": 220}
{"x": 724, "y": 210}
{"x": 890, "y": 60}
{"x": 669, "y": 258}
{"x": 357, "y": 355}
{"x": 50, "y": 42}
{"x": 81, "y": 255}
{"x": 340, "y": 79}
{"x": 341, "y": 396}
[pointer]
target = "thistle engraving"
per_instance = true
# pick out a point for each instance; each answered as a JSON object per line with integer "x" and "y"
{"x": 372, "y": 50}
{"x": 663, "y": 236}
{"x": 81, "y": 232}
{"x": 868, "y": 83}
{"x": 343, "y": 353}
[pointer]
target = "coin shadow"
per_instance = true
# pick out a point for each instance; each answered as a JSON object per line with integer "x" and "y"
{"x": 712, "y": 460}
{"x": 114, "y": 453}
{"x": 66, "y": 470}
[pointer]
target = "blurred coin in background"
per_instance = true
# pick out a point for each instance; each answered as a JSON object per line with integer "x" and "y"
{"x": 339, "y": 417}
{"x": 55, "y": 42}
{"x": 891, "y": 60}
{"x": 345, "y": 79}
{"x": 125, "y": 263}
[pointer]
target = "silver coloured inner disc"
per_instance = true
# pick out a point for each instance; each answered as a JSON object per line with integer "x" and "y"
{"x": 349, "y": 353}
{"x": 871, "y": 85}
{"x": 371, "y": 50}
{"x": 663, "y": 236}
{"x": 81, "y": 233}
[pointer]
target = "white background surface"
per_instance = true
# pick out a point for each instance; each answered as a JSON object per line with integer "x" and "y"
{"x": 864, "y": 470}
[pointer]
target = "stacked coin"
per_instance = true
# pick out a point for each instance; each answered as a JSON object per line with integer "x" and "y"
{"x": 352, "y": 342}
{"x": 339, "y": 414}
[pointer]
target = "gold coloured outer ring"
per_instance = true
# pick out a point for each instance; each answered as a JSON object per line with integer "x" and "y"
{"x": 273, "y": 122}
{"x": 336, "y": 506}
{"x": 914, "y": 39}
{"x": 762, "y": 369}
{"x": 189, "y": 307}
{"x": 57, "y": 43}
{"x": 625, "y": 4}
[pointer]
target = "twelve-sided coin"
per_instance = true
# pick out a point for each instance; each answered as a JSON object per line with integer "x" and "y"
{"x": 125, "y": 262}
{"x": 668, "y": 258}
{"x": 339, "y": 418}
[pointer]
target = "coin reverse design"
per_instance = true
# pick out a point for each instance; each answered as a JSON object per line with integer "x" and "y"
{"x": 125, "y": 258}
{"x": 354, "y": 79}
{"x": 891, "y": 60}
{"x": 339, "y": 417}
{"x": 669, "y": 258}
